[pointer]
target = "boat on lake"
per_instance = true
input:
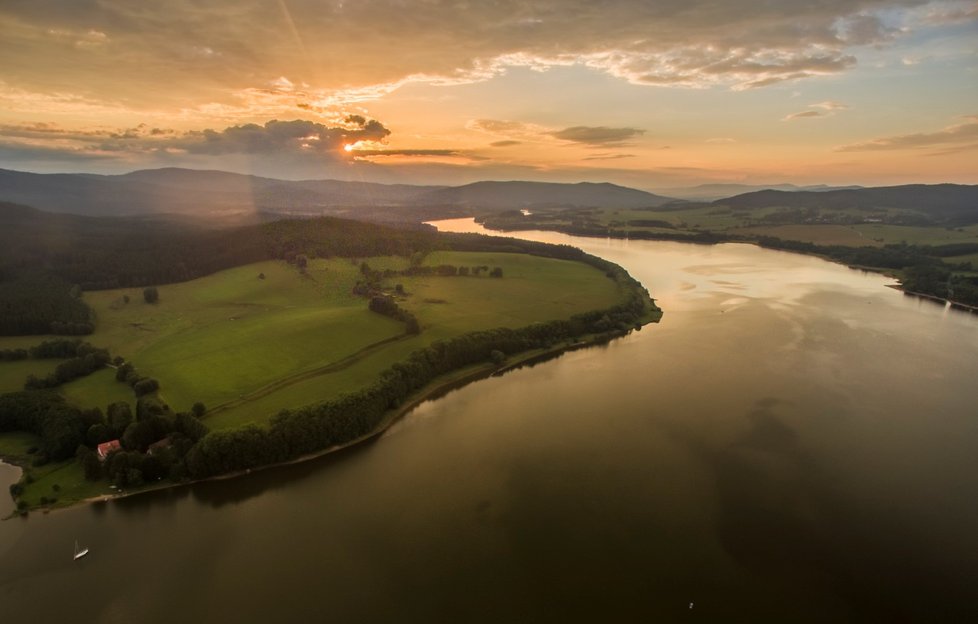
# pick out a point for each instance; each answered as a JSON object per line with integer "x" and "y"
{"x": 79, "y": 553}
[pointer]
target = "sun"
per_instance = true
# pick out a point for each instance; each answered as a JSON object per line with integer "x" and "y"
{"x": 348, "y": 147}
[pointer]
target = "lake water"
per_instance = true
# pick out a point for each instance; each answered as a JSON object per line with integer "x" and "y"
{"x": 793, "y": 442}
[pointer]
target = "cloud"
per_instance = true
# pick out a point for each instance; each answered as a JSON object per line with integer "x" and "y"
{"x": 297, "y": 137}
{"x": 804, "y": 115}
{"x": 830, "y": 105}
{"x": 498, "y": 126}
{"x": 596, "y": 136}
{"x": 721, "y": 140}
{"x": 952, "y": 139}
{"x": 515, "y": 132}
{"x": 407, "y": 152}
{"x": 283, "y": 136}
{"x": 827, "y": 109}
{"x": 224, "y": 53}
{"x": 609, "y": 157}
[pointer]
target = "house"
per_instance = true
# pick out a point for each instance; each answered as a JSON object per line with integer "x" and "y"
{"x": 108, "y": 447}
{"x": 156, "y": 447}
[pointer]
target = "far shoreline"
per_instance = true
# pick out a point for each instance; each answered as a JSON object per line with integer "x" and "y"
{"x": 619, "y": 235}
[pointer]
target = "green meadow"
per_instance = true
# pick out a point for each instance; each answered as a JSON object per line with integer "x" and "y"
{"x": 532, "y": 289}
{"x": 14, "y": 374}
{"x": 247, "y": 346}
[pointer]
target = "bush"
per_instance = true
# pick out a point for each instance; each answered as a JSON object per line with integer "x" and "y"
{"x": 151, "y": 295}
{"x": 145, "y": 386}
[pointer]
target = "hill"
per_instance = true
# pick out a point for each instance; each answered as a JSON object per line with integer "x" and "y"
{"x": 711, "y": 192}
{"x": 193, "y": 192}
{"x": 950, "y": 204}
{"x": 244, "y": 198}
{"x": 515, "y": 195}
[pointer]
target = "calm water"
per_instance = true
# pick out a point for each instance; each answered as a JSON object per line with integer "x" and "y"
{"x": 793, "y": 442}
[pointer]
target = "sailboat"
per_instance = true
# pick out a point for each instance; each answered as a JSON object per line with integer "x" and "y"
{"x": 80, "y": 553}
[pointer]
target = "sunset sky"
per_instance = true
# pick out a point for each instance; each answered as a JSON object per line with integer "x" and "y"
{"x": 652, "y": 94}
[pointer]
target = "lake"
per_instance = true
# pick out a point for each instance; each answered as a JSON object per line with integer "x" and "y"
{"x": 794, "y": 441}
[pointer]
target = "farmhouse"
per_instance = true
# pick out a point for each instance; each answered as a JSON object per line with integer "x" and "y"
{"x": 108, "y": 447}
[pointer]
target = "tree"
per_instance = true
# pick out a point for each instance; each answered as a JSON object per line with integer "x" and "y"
{"x": 261, "y": 276}
{"x": 497, "y": 357}
{"x": 198, "y": 409}
{"x": 119, "y": 416}
{"x": 145, "y": 386}
{"x": 89, "y": 462}
{"x": 151, "y": 295}
{"x": 496, "y": 272}
{"x": 98, "y": 434}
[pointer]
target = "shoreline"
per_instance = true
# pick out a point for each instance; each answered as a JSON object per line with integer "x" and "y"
{"x": 435, "y": 390}
{"x": 964, "y": 307}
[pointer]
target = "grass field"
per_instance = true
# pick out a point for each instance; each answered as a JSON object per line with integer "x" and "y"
{"x": 532, "y": 289}
{"x": 14, "y": 374}
{"x": 820, "y": 234}
{"x": 918, "y": 235}
{"x": 98, "y": 390}
{"x": 247, "y": 347}
{"x": 64, "y": 481}
{"x": 15, "y": 444}
{"x": 222, "y": 336}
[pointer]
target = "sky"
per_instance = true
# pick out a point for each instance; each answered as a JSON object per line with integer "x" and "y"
{"x": 653, "y": 94}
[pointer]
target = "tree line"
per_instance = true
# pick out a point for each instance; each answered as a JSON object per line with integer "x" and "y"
{"x": 296, "y": 432}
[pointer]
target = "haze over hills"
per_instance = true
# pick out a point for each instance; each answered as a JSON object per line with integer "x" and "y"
{"x": 516, "y": 194}
{"x": 952, "y": 204}
{"x": 711, "y": 192}
{"x": 218, "y": 193}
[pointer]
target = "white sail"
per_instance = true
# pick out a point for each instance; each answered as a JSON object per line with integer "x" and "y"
{"x": 79, "y": 553}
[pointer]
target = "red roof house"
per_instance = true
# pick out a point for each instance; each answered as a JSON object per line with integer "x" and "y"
{"x": 108, "y": 447}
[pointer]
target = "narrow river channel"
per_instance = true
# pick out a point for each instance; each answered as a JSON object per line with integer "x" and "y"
{"x": 793, "y": 442}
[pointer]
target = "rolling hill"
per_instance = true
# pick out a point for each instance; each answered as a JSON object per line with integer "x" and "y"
{"x": 221, "y": 194}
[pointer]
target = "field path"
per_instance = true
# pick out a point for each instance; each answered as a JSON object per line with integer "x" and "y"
{"x": 333, "y": 367}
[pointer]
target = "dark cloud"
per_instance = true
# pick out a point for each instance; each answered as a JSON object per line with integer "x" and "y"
{"x": 804, "y": 115}
{"x": 609, "y": 157}
{"x": 282, "y": 136}
{"x": 953, "y": 139}
{"x": 505, "y": 143}
{"x": 407, "y": 152}
{"x": 597, "y": 135}
{"x": 497, "y": 126}
{"x": 301, "y": 138}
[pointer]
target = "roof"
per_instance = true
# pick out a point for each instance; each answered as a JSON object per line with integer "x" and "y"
{"x": 158, "y": 445}
{"x": 108, "y": 447}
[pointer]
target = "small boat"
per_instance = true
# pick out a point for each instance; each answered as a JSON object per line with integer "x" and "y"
{"x": 79, "y": 553}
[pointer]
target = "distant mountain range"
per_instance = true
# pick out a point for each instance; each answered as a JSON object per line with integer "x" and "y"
{"x": 217, "y": 193}
{"x": 711, "y": 192}
{"x": 242, "y": 198}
